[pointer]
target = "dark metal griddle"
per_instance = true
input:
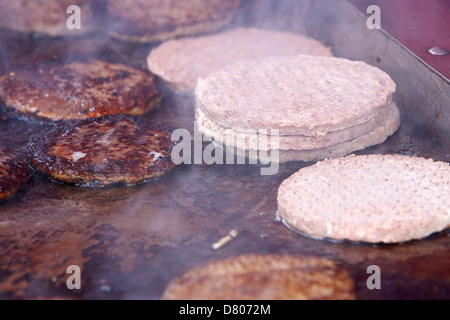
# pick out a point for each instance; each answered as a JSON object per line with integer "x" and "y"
{"x": 130, "y": 242}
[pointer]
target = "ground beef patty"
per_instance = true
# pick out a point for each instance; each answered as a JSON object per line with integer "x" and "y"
{"x": 299, "y": 95}
{"x": 263, "y": 277}
{"x": 102, "y": 151}
{"x": 156, "y": 20}
{"x": 298, "y": 142}
{"x": 376, "y": 136}
{"x": 181, "y": 62}
{"x": 13, "y": 174}
{"x": 44, "y": 16}
{"x": 375, "y": 199}
{"x": 79, "y": 90}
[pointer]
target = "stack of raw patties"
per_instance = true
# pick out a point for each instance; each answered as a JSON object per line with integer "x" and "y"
{"x": 306, "y": 108}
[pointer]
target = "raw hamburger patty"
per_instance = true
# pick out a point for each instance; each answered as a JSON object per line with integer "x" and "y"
{"x": 374, "y": 137}
{"x": 13, "y": 174}
{"x": 79, "y": 90}
{"x": 298, "y": 142}
{"x": 301, "y": 95}
{"x": 263, "y": 277}
{"x": 375, "y": 199}
{"x": 182, "y": 62}
{"x": 102, "y": 151}
{"x": 156, "y": 20}
{"x": 43, "y": 16}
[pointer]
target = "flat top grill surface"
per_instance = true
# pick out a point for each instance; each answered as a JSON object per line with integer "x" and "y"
{"x": 418, "y": 24}
{"x": 130, "y": 242}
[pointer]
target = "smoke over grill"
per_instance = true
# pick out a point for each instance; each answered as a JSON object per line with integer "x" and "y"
{"x": 131, "y": 241}
{"x": 34, "y": 31}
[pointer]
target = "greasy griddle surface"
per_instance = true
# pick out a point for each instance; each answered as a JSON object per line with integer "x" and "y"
{"x": 130, "y": 242}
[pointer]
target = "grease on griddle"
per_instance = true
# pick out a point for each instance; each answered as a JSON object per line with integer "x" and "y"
{"x": 13, "y": 174}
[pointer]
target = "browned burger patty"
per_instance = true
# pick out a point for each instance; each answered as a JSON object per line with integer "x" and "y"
{"x": 264, "y": 277}
{"x": 43, "y": 16}
{"x": 13, "y": 174}
{"x": 79, "y": 90}
{"x": 299, "y": 95}
{"x": 156, "y": 20}
{"x": 102, "y": 151}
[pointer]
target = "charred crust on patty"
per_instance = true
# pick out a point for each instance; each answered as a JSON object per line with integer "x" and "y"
{"x": 14, "y": 174}
{"x": 79, "y": 90}
{"x": 102, "y": 151}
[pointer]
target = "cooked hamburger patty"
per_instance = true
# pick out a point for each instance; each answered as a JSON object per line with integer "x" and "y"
{"x": 298, "y": 142}
{"x": 43, "y": 16}
{"x": 102, "y": 151}
{"x": 301, "y": 95}
{"x": 156, "y": 20}
{"x": 13, "y": 174}
{"x": 182, "y": 62}
{"x": 375, "y": 199}
{"x": 263, "y": 277}
{"x": 372, "y": 138}
{"x": 79, "y": 90}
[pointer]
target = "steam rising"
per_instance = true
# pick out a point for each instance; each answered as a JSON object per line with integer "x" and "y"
{"x": 166, "y": 226}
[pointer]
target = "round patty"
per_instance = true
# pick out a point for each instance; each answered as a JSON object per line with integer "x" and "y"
{"x": 102, "y": 151}
{"x": 263, "y": 277}
{"x": 182, "y": 62}
{"x": 156, "y": 20}
{"x": 79, "y": 90}
{"x": 13, "y": 174}
{"x": 298, "y": 142}
{"x": 374, "y": 137}
{"x": 44, "y": 16}
{"x": 375, "y": 199}
{"x": 301, "y": 95}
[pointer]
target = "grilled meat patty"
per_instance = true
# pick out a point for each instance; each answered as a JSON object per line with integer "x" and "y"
{"x": 44, "y": 16}
{"x": 13, "y": 174}
{"x": 79, "y": 90}
{"x": 156, "y": 20}
{"x": 102, "y": 151}
{"x": 263, "y": 277}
